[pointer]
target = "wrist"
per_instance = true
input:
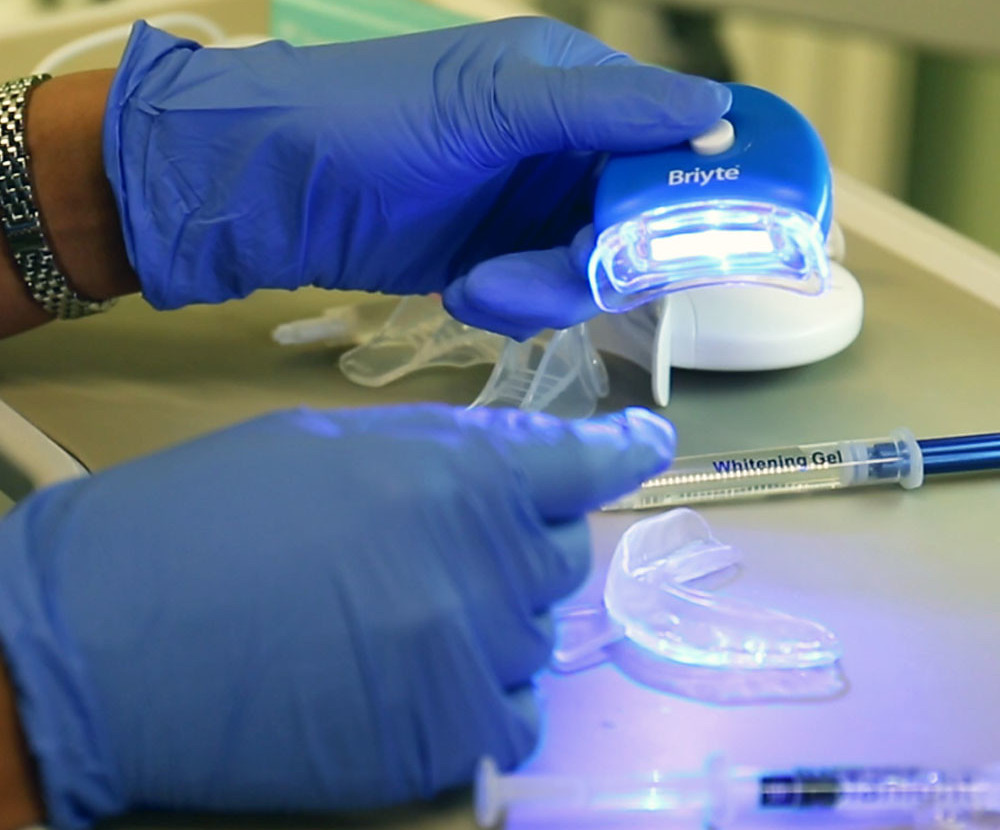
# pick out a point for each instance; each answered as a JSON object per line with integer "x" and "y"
{"x": 20, "y": 797}
{"x": 62, "y": 245}
{"x": 63, "y": 127}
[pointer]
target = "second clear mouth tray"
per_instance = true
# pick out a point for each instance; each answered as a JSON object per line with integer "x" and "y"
{"x": 559, "y": 372}
{"x": 418, "y": 334}
{"x": 649, "y": 600}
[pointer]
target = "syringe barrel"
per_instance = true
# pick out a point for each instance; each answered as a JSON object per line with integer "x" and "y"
{"x": 890, "y": 792}
{"x": 883, "y": 790}
{"x": 794, "y": 469}
{"x": 725, "y": 797}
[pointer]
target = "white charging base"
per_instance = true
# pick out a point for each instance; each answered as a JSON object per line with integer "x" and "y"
{"x": 746, "y": 328}
{"x": 734, "y": 328}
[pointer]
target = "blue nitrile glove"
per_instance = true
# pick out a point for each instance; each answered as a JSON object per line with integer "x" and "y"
{"x": 310, "y": 611}
{"x": 404, "y": 165}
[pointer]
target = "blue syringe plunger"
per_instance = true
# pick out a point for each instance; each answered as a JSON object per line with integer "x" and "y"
{"x": 961, "y": 453}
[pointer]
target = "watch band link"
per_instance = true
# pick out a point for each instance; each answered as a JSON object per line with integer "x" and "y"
{"x": 20, "y": 218}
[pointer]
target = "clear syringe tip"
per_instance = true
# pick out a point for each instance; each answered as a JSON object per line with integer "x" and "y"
{"x": 496, "y": 792}
{"x": 681, "y": 795}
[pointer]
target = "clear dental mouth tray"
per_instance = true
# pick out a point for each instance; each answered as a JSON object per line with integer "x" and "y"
{"x": 558, "y": 372}
{"x": 649, "y": 600}
{"x": 418, "y": 334}
{"x": 561, "y": 374}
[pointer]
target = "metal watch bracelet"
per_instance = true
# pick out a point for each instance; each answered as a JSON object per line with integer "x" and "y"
{"x": 20, "y": 218}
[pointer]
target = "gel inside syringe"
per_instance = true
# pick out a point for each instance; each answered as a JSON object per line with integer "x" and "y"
{"x": 721, "y": 796}
{"x": 898, "y": 458}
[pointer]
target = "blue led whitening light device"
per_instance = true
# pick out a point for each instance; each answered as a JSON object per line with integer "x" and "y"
{"x": 747, "y": 202}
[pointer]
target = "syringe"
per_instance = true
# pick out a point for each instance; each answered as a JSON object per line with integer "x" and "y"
{"x": 898, "y": 458}
{"x": 720, "y": 796}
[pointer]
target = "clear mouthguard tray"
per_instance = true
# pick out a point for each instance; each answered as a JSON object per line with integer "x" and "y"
{"x": 652, "y": 600}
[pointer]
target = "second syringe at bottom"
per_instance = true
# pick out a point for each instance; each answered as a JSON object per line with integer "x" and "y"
{"x": 829, "y": 466}
{"x": 723, "y": 796}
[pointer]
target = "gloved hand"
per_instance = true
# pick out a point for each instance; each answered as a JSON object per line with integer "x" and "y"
{"x": 309, "y": 611}
{"x": 460, "y": 160}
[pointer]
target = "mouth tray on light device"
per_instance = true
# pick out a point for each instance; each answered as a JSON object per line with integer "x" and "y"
{"x": 716, "y": 242}
{"x": 746, "y": 202}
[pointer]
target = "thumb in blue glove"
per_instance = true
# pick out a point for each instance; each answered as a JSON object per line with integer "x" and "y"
{"x": 458, "y": 161}
{"x": 310, "y": 611}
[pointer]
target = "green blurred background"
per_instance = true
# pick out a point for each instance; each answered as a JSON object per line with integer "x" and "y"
{"x": 954, "y": 171}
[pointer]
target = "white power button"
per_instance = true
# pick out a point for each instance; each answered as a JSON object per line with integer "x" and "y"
{"x": 715, "y": 140}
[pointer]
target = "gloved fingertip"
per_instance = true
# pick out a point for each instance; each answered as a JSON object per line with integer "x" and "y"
{"x": 523, "y": 293}
{"x": 645, "y": 445}
{"x": 697, "y": 100}
{"x": 453, "y": 300}
{"x": 456, "y": 303}
{"x": 651, "y": 430}
{"x": 571, "y": 467}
